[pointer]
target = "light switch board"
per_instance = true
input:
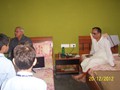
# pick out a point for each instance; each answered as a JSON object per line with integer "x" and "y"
{"x": 65, "y": 45}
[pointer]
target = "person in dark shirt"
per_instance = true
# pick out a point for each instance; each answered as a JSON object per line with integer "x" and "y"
{"x": 19, "y": 38}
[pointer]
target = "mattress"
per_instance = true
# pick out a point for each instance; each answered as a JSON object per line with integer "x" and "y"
{"x": 106, "y": 76}
{"x": 107, "y": 80}
{"x": 47, "y": 76}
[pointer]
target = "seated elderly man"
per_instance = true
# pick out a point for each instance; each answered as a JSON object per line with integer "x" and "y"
{"x": 19, "y": 38}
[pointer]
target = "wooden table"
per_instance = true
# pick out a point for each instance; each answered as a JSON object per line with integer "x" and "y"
{"x": 67, "y": 65}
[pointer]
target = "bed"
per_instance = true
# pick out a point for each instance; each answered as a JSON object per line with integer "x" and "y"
{"x": 44, "y": 48}
{"x": 102, "y": 77}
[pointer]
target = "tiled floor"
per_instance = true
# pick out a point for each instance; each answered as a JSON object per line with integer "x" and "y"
{"x": 66, "y": 82}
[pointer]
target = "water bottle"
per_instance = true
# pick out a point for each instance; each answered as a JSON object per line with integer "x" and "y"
{"x": 63, "y": 52}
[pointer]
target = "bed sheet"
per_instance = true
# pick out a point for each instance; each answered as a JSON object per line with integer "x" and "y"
{"x": 49, "y": 63}
{"x": 107, "y": 80}
{"x": 47, "y": 76}
{"x": 45, "y": 73}
{"x": 105, "y": 76}
{"x": 44, "y": 49}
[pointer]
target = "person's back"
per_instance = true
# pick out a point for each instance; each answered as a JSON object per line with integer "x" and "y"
{"x": 7, "y": 70}
{"x": 24, "y": 59}
{"x": 25, "y": 81}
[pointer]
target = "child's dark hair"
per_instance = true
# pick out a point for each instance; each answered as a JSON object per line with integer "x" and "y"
{"x": 24, "y": 56}
{"x": 4, "y": 40}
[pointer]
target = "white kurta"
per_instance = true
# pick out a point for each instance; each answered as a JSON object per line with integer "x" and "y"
{"x": 101, "y": 54}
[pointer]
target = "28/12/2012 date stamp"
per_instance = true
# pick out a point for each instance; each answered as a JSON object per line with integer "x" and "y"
{"x": 101, "y": 78}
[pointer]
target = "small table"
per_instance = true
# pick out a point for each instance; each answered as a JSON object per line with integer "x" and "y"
{"x": 67, "y": 65}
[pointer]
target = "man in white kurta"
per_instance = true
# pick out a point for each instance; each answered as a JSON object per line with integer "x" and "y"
{"x": 101, "y": 54}
{"x": 101, "y": 51}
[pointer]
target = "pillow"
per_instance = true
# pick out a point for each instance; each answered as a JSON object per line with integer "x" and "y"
{"x": 43, "y": 49}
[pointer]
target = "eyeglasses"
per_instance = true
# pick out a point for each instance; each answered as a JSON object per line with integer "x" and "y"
{"x": 94, "y": 33}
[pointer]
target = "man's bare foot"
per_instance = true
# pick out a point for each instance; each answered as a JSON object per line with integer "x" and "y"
{"x": 80, "y": 78}
{"x": 75, "y": 77}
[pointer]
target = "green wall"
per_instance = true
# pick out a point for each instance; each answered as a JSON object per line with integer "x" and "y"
{"x": 64, "y": 20}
